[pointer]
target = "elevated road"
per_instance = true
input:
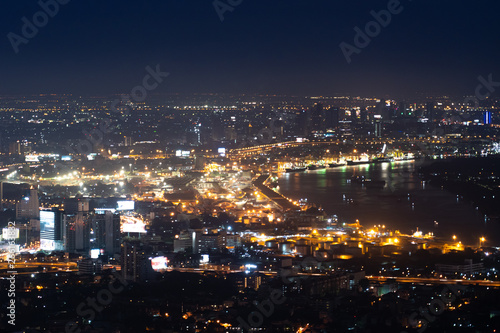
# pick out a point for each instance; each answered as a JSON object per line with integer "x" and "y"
{"x": 272, "y": 195}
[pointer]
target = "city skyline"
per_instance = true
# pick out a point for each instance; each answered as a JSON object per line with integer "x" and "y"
{"x": 237, "y": 166}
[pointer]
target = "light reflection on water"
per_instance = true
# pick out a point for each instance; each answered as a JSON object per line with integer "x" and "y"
{"x": 404, "y": 203}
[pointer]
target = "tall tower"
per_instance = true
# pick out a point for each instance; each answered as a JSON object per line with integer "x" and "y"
{"x": 318, "y": 118}
{"x": 106, "y": 233}
{"x": 430, "y": 112}
{"x": 29, "y": 206}
{"x": 76, "y": 225}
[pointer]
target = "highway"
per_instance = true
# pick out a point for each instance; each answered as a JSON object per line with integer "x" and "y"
{"x": 434, "y": 281}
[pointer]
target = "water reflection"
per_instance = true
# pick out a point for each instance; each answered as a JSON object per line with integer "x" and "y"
{"x": 404, "y": 203}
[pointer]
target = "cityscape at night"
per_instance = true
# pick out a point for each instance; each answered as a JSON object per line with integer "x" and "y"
{"x": 234, "y": 166}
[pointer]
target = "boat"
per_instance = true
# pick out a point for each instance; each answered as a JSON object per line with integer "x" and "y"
{"x": 358, "y": 162}
{"x": 383, "y": 160}
{"x": 315, "y": 167}
{"x": 335, "y": 165}
{"x": 295, "y": 169}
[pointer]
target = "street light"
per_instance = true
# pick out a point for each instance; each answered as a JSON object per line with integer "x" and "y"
{"x": 454, "y": 237}
{"x": 481, "y": 241}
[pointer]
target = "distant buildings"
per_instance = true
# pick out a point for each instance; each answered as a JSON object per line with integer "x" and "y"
{"x": 127, "y": 141}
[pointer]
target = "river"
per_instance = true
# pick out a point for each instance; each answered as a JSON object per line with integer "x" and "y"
{"x": 405, "y": 203}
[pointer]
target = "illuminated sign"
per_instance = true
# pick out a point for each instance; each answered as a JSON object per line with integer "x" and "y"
{"x": 103, "y": 211}
{"x": 139, "y": 228}
{"x": 205, "y": 258}
{"x": 47, "y": 245}
{"x": 32, "y": 158}
{"x": 126, "y": 205}
{"x": 132, "y": 224}
{"x": 182, "y": 153}
{"x": 94, "y": 253}
{"x": 66, "y": 158}
{"x": 10, "y": 233}
{"x": 222, "y": 151}
{"x": 91, "y": 157}
{"x": 159, "y": 263}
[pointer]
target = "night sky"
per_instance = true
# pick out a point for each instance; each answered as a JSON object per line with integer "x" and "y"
{"x": 271, "y": 46}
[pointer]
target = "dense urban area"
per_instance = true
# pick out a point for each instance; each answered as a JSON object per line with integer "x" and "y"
{"x": 169, "y": 216}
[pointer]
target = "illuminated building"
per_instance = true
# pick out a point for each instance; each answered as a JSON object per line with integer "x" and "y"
{"x": 90, "y": 266}
{"x": 15, "y": 148}
{"x": 51, "y": 230}
{"x": 29, "y": 206}
{"x": 105, "y": 233}
{"x": 487, "y": 118}
{"x": 127, "y": 141}
{"x": 135, "y": 262}
{"x": 76, "y": 226}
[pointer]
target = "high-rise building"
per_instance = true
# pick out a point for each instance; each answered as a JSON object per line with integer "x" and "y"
{"x": 15, "y": 148}
{"x": 89, "y": 266}
{"x": 127, "y": 141}
{"x": 51, "y": 230}
{"x": 318, "y": 121}
{"x": 29, "y": 206}
{"x": 76, "y": 226}
{"x": 403, "y": 109}
{"x": 487, "y": 118}
{"x": 430, "y": 111}
{"x": 378, "y": 126}
{"x": 105, "y": 233}
{"x": 135, "y": 262}
{"x": 188, "y": 241}
{"x": 332, "y": 118}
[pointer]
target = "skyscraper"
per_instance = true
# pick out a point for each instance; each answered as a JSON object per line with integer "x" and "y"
{"x": 430, "y": 111}
{"x": 487, "y": 118}
{"x": 135, "y": 262}
{"x": 318, "y": 120}
{"x": 51, "y": 230}
{"x": 76, "y": 225}
{"x": 29, "y": 206}
{"x": 378, "y": 126}
{"x": 105, "y": 233}
{"x": 15, "y": 148}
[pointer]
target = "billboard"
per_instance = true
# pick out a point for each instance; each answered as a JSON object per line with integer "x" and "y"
{"x": 47, "y": 224}
{"x": 130, "y": 223}
{"x": 10, "y": 233}
{"x": 32, "y": 158}
{"x": 47, "y": 245}
{"x": 139, "y": 228}
{"x": 126, "y": 205}
{"x": 159, "y": 263}
{"x": 182, "y": 153}
{"x": 95, "y": 253}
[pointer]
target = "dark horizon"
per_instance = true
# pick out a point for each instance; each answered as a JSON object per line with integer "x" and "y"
{"x": 290, "y": 48}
